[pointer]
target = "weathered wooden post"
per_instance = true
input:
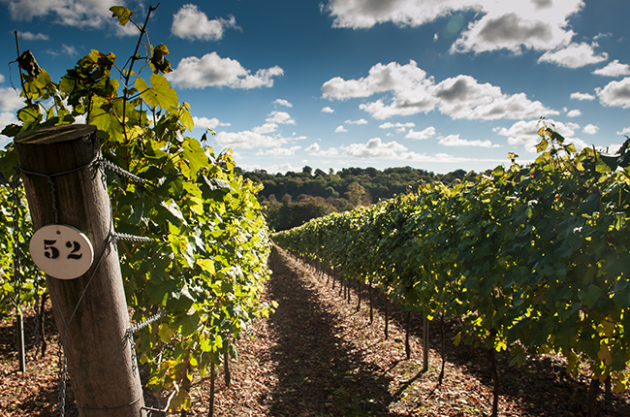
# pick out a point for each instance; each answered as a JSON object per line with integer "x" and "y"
{"x": 64, "y": 186}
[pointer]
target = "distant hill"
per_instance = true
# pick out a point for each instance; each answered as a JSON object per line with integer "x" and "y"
{"x": 293, "y": 198}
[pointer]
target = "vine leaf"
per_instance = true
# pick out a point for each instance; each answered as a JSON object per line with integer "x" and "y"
{"x": 122, "y": 13}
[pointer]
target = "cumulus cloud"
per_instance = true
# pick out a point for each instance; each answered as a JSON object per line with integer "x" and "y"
{"x": 29, "y": 36}
{"x": 315, "y": 150}
{"x": 624, "y": 131}
{"x": 590, "y": 129}
{"x": 6, "y": 118}
{"x": 613, "y": 69}
{"x": 525, "y": 133}
{"x": 582, "y": 96}
{"x": 460, "y": 97}
{"x": 266, "y": 128}
{"x": 279, "y": 151}
{"x": 248, "y": 139}
{"x": 191, "y": 23}
{"x": 86, "y": 14}
{"x": 574, "y": 113}
{"x": 377, "y": 149}
{"x": 455, "y": 140}
{"x": 400, "y": 127}
{"x": 206, "y": 123}
{"x": 573, "y": 56}
{"x": 374, "y": 148}
{"x": 340, "y": 129}
{"x": 327, "y": 110}
{"x": 280, "y": 117}
{"x": 10, "y": 99}
{"x": 503, "y": 24}
{"x": 213, "y": 71}
{"x": 357, "y": 122}
{"x": 615, "y": 93}
{"x": 421, "y": 135}
{"x": 282, "y": 102}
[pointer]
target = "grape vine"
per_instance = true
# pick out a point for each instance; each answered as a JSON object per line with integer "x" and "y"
{"x": 530, "y": 258}
{"x": 208, "y": 263}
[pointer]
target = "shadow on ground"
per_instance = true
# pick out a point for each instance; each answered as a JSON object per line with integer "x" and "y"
{"x": 317, "y": 374}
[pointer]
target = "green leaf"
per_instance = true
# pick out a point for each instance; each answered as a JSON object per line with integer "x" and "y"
{"x": 195, "y": 155}
{"x": 591, "y": 296}
{"x": 122, "y": 13}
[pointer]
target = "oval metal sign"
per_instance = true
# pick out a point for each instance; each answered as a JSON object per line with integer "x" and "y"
{"x": 61, "y": 251}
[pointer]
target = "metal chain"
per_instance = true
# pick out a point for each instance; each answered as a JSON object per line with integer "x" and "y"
{"x": 36, "y": 308}
{"x": 132, "y": 238}
{"x": 63, "y": 372}
{"x": 120, "y": 171}
{"x": 16, "y": 241}
{"x": 132, "y": 342}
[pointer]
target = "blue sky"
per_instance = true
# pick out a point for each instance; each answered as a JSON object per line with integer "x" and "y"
{"x": 433, "y": 84}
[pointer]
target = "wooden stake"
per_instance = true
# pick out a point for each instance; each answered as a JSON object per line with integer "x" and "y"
{"x": 97, "y": 349}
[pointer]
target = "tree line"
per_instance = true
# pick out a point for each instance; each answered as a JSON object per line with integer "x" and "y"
{"x": 290, "y": 200}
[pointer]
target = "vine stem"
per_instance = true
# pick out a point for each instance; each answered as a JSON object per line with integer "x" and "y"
{"x": 127, "y": 75}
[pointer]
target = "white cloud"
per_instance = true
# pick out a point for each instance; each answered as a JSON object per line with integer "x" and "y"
{"x": 340, "y": 129}
{"x": 625, "y": 131}
{"x": 501, "y": 24}
{"x": 421, "y": 135}
{"x": 315, "y": 150}
{"x": 374, "y": 148}
{"x": 1, "y": 78}
{"x": 525, "y": 133}
{"x": 206, "y": 123}
{"x": 213, "y": 71}
{"x": 590, "y": 129}
{"x": 280, "y": 117}
{"x": 6, "y": 118}
{"x": 613, "y": 69}
{"x": 377, "y": 149}
{"x": 357, "y": 122}
{"x": 582, "y": 96}
{"x": 327, "y": 110}
{"x": 460, "y": 97}
{"x": 574, "y": 113}
{"x": 400, "y": 127}
{"x": 282, "y": 168}
{"x": 191, "y": 23}
{"x": 87, "y": 14}
{"x": 455, "y": 140}
{"x": 282, "y": 102}
{"x": 280, "y": 151}
{"x": 29, "y": 36}
{"x": 615, "y": 93}
{"x": 10, "y": 100}
{"x": 266, "y": 128}
{"x": 68, "y": 50}
{"x": 248, "y": 140}
{"x": 573, "y": 56}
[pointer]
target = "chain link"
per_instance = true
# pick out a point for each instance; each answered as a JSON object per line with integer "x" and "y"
{"x": 63, "y": 369}
{"x": 120, "y": 171}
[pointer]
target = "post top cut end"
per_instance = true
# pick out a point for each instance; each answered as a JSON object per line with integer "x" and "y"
{"x": 54, "y": 134}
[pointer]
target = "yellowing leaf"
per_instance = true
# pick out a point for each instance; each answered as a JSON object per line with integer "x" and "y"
{"x": 207, "y": 265}
{"x": 122, "y": 13}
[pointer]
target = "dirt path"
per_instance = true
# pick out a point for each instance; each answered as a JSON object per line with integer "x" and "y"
{"x": 316, "y": 356}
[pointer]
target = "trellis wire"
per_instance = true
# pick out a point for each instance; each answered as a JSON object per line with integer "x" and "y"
{"x": 111, "y": 239}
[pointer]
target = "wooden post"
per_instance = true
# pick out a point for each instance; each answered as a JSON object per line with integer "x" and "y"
{"x": 425, "y": 344}
{"x": 98, "y": 353}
